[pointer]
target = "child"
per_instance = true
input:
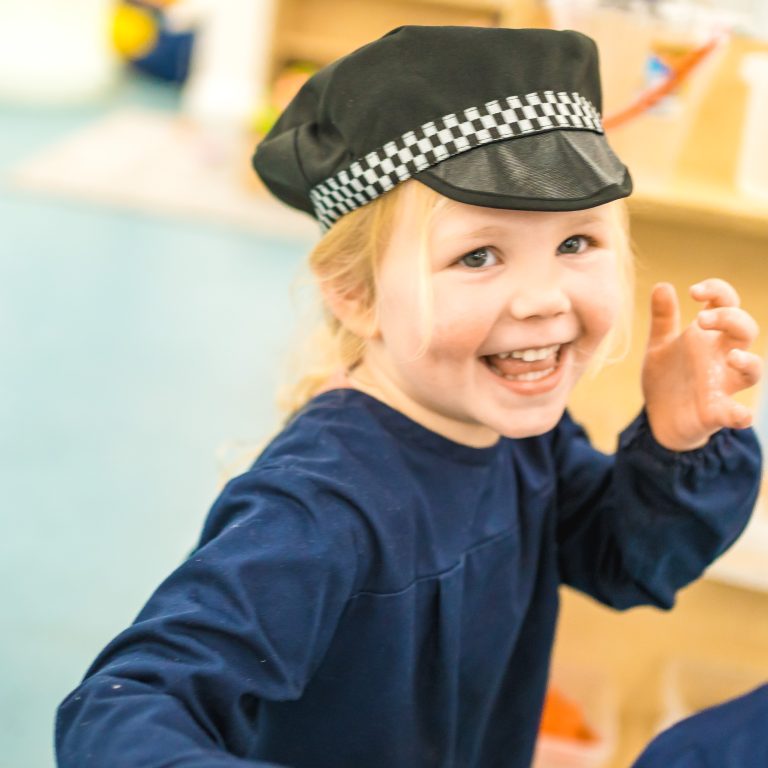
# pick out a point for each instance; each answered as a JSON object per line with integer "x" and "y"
{"x": 380, "y": 590}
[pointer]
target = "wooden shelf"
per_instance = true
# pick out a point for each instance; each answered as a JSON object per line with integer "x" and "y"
{"x": 310, "y": 31}
{"x": 690, "y": 204}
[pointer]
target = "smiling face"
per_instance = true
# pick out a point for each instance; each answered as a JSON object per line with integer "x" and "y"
{"x": 516, "y": 303}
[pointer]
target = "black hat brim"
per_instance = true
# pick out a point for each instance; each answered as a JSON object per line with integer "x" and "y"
{"x": 560, "y": 170}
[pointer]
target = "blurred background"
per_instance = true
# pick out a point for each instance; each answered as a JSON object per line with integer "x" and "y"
{"x": 150, "y": 289}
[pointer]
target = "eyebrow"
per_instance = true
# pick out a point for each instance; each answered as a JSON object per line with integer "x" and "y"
{"x": 579, "y": 221}
{"x": 468, "y": 234}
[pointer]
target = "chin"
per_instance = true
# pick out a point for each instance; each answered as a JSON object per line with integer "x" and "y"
{"x": 534, "y": 423}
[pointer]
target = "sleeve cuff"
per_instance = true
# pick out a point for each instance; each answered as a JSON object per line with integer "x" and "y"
{"x": 721, "y": 449}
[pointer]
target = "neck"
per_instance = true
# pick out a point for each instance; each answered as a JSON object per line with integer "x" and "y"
{"x": 374, "y": 381}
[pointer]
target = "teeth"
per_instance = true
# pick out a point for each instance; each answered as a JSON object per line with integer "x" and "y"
{"x": 530, "y": 355}
{"x": 533, "y": 376}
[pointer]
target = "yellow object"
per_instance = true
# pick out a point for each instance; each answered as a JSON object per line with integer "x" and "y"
{"x": 134, "y": 31}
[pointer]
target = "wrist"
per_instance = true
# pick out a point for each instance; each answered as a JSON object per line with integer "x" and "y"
{"x": 674, "y": 439}
{"x": 678, "y": 445}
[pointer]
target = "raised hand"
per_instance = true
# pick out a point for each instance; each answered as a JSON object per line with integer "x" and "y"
{"x": 689, "y": 378}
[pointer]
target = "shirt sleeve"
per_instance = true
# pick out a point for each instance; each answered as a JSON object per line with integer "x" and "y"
{"x": 636, "y": 527}
{"x": 247, "y": 617}
{"x": 731, "y": 735}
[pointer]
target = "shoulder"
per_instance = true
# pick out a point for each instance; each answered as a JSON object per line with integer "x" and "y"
{"x": 341, "y": 424}
{"x": 283, "y": 499}
{"x": 317, "y": 480}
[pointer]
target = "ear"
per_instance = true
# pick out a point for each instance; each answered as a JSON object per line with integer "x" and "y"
{"x": 351, "y": 312}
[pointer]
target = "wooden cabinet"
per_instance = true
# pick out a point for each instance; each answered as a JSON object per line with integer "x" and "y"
{"x": 695, "y": 225}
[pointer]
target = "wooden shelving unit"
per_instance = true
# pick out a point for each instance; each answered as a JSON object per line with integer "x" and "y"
{"x": 305, "y": 30}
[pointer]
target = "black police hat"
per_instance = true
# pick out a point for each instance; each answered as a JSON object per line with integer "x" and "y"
{"x": 505, "y": 118}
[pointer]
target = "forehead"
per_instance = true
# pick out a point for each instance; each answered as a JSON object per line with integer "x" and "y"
{"x": 428, "y": 223}
{"x": 454, "y": 219}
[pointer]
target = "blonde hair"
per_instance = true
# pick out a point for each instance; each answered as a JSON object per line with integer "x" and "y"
{"x": 346, "y": 260}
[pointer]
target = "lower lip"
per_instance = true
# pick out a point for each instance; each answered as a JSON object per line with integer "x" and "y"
{"x": 539, "y": 386}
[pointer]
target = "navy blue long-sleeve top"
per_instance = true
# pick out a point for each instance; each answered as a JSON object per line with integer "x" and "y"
{"x": 373, "y": 594}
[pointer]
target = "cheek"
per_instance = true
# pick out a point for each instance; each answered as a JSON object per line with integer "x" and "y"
{"x": 460, "y": 326}
{"x": 400, "y": 313}
{"x": 457, "y": 336}
{"x": 601, "y": 307}
{"x": 442, "y": 325}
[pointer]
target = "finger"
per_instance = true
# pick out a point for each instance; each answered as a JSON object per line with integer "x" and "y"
{"x": 665, "y": 314}
{"x": 747, "y": 365}
{"x": 738, "y": 416}
{"x": 739, "y": 325}
{"x": 727, "y": 413}
{"x": 716, "y": 292}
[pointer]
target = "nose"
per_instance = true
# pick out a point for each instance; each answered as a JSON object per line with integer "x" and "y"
{"x": 538, "y": 292}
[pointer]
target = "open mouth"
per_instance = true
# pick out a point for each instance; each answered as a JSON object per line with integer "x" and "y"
{"x": 526, "y": 365}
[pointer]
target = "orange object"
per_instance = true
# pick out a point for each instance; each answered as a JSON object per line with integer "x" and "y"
{"x": 652, "y": 96}
{"x": 563, "y": 718}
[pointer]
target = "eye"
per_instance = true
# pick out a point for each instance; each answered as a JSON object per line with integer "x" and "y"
{"x": 576, "y": 244}
{"x": 481, "y": 257}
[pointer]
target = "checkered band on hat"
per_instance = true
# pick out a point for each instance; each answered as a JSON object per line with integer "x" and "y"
{"x": 379, "y": 171}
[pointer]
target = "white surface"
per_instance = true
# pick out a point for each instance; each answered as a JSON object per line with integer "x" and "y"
{"x": 55, "y": 52}
{"x": 229, "y": 67}
{"x": 159, "y": 163}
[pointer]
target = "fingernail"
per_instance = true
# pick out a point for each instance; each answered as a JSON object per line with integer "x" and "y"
{"x": 706, "y": 316}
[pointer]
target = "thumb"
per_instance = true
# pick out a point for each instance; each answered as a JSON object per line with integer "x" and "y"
{"x": 665, "y": 314}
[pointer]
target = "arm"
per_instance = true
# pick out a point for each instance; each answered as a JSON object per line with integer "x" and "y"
{"x": 730, "y": 735}
{"x": 247, "y": 617}
{"x": 685, "y": 478}
{"x": 636, "y": 527}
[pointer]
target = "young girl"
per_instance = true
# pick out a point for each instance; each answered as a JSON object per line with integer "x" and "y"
{"x": 380, "y": 590}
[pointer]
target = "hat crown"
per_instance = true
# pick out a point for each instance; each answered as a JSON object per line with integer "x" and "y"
{"x": 416, "y": 74}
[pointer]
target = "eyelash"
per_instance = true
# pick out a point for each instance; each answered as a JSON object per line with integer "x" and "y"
{"x": 589, "y": 242}
{"x": 472, "y": 253}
